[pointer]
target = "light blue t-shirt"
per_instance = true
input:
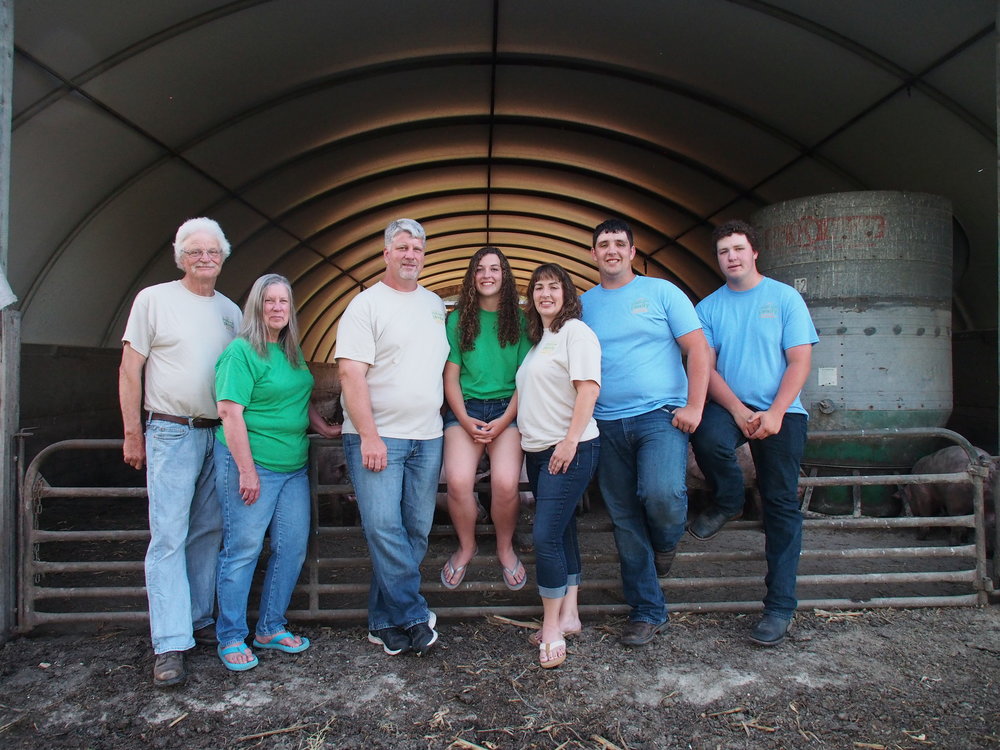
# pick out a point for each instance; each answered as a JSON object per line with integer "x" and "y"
{"x": 638, "y": 325}
{"x": 750, "y": 332}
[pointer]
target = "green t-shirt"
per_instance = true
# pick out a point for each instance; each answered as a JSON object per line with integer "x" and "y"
{"x": 488, "y": 369}
{"x": 275, "y": 398}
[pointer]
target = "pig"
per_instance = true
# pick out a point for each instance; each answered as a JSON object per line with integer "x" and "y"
{"x": 929, "y": 500}
{"x": 696, "y": 478}
{"x": 332, "y": 469}
{"x": 697, "y": 484}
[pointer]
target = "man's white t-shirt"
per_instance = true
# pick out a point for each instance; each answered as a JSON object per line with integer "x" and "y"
{"x": 181, "y": 334}
{"x": 401, "y": 337}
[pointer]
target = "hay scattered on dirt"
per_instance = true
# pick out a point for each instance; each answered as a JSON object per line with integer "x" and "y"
{"x": 857, "y": 679}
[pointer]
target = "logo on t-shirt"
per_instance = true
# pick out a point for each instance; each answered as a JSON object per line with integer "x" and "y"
{"x": 768, "y": 310}
{"x": 229, "y": 323}
{"x": 640, "y": 306}
{"x": 548, "y": 348}
{"x": 438, "y": 316}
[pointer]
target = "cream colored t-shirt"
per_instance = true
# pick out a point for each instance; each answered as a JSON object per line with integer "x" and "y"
{"x": 401, "y": 336}
{"x": 181, "y": 334}
{"x": 545, "y": 392}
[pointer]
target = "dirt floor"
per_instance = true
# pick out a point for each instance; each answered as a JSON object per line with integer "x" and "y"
{"x": 844, "y": 679}
{"x": 852, "y": 679}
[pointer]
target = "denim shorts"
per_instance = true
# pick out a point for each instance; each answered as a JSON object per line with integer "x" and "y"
{"x": 485, "y": 410}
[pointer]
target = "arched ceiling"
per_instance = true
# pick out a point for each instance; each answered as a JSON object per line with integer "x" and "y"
{"x": 305, "y": 126}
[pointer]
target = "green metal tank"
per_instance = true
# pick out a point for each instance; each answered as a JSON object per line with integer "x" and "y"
{"x": 875, "y": 269}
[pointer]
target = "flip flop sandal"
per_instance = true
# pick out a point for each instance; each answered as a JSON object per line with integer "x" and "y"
{"x": 546, "y": 649}
{"x": 240, "y": 648}
{"x": 535, "y": 638}
{"x": 510, "y": 573}
{"x": 450, "y": 571}
{"x": 274, "y": 643}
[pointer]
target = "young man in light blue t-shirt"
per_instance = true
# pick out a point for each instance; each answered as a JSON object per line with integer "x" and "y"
{"x": 761, "y": 339}
{"x": 647, "y": 408}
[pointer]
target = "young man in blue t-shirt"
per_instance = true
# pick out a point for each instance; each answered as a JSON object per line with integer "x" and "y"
{"x": 761, "y": 339}
{"x": 647, "y": 408}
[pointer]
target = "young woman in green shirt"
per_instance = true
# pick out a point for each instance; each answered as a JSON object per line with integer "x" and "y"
{"x": 488, "y": 340}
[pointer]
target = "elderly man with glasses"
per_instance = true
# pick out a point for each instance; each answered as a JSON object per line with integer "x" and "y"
{"x": 174, "y": 335}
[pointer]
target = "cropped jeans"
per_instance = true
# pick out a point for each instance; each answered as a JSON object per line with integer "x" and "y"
{"x": 777, "y": 459}
{"x": 643, "y": 479}
{"x": 557, "y": 551}
{"x": 397, "y": 510}
{"x": 283, "y": 510}
{"x": 185, "y": 529}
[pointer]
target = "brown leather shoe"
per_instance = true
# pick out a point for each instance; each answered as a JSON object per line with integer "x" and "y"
{"x": 206, "y": 636}
{"x": 638, "y": 633}
{"x": 708, "y": 524}
{"x": 663, "y": 561}
{"x": 168, "y": 669}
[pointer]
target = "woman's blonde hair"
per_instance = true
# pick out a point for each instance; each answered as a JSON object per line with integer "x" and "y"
{"x": 254, "y": 329}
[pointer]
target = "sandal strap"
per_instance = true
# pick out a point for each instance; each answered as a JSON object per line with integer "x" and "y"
{"x": 548, "y": 648}
{"x": 279, "y": 637}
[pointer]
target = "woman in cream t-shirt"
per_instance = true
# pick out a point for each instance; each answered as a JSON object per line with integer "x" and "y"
{"x": 557, "y": 386}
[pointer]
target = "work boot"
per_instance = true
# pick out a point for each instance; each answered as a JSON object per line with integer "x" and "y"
{"x": 770, "y": 631}
{"x": 168, "y": 669}
{"x": 639, "y": 633}
{"x": 663, "y": 561}
{"x": 206, "y": 636}
{"x": 706, "y": 525}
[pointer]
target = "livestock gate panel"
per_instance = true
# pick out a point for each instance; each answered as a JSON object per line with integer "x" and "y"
{"x": 81, "y": 554}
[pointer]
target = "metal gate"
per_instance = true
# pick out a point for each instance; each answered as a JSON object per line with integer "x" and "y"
{"x": 81, "y": 554}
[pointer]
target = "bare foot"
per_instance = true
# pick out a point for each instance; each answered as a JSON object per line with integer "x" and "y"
{"x": 571, "y": 626}
{"x": 292, "y": 641}
{"x": 242, "y": 656}
{"x": 514, "y": 574}
{"x": 552, "y": 653}
{"x": 453, "y": 572}
{"x": 535, "y": 637}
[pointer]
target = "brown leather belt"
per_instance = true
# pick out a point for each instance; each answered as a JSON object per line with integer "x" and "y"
{"x": 199, "y": 423}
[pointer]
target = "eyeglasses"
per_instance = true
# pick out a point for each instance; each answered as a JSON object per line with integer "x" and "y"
{"x": 213, "y": 253}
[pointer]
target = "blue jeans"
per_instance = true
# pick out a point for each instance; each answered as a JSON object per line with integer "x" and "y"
{"x": 643, "y": 478}
{"x": 557, "y": 551}
{"x": 185, "y": 529}
{"x": 284, "y": 511}
{"x": 777, "y": 459}
{"x": 485, "y": 410}
{"x": 397, "y": 510}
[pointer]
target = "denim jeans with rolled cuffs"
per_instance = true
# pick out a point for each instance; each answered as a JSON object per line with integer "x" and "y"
{"x": 284, "y": 511}
{"x": 397, "y": 510}
{"x": 557, "y": 551}
{"x": 185, "y": 532}
{"x": 643, "y": 479}
{"x": 777, "y": 460}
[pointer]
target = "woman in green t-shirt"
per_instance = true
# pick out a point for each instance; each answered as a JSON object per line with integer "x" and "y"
{"x": 263, "y": 386}
{"x": 486, "y": 332}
